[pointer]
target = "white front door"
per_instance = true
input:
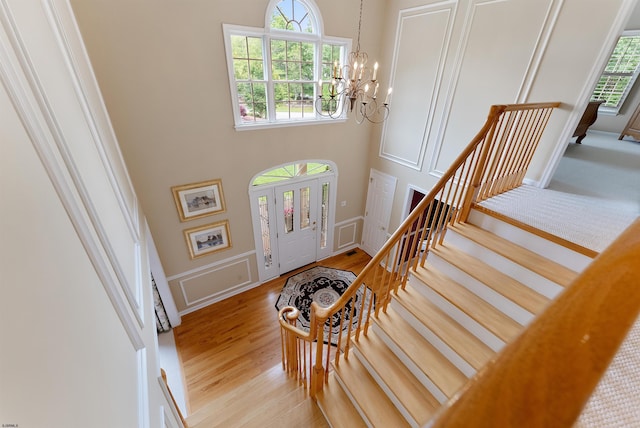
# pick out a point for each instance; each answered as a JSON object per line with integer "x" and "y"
{"x": 296, "y": 222}
{"x": 378, "y": 211}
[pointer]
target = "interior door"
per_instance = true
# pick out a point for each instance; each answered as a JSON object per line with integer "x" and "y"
{"x": 378, "y": 211}
{"x": 296, "y": 218}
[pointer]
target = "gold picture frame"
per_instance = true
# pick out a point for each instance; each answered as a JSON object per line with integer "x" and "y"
{"x": 207, "y": 239}
{"x": 198, "y": 200}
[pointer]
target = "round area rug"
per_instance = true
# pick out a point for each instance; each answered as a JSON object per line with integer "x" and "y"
{"x": 324, "y": 286}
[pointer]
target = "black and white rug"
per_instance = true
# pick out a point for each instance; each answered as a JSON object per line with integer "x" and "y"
{"x": 324, "y": 286}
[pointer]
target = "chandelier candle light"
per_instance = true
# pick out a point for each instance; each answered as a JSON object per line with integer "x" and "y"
{"x": 353, "y": 86}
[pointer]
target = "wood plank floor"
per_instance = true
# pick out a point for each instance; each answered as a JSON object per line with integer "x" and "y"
{"x": 229, "y": 343}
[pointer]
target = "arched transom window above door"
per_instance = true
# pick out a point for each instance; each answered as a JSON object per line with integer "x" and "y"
{"x": 292, "y": 170}
{"x": 293, "y": 215}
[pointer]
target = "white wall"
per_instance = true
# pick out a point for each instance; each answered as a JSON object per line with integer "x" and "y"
{"x": 78, "y": 333}
{"x": 470, "y": 54}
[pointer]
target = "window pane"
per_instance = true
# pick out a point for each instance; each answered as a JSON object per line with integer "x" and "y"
{"x": 294, "y": 51}
{"x": 305, "y": 213}
{"x": 324, "y": 220}
{"x": 307, "y": 71}
{"x": 292, "y": 170}
{"x": 293, "y": 71}
{"x": 241, "y": 69}
{"x": 331, "y": 57}
{"x": 287, "y": 198}
{"x": 620, "y": 73}
{"x": 278, "y": 50}
{"x": 293, "y": 16}
{"x": 255, "y": 47}
{"x": 257, "y": 70}
{"x": 264, "y": 229}
{"x": 239, "y": 46}
{"x": 252, "y": 101}
{"x": 279, "y": 70}
{"x": 281, "y": 92}
{"x": 247, "y": 58}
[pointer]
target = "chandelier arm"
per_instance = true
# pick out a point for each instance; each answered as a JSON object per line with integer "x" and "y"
{"x": 353, "y": 86}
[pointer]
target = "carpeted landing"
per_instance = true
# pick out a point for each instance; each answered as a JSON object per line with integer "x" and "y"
{"x": 593, "y": 223}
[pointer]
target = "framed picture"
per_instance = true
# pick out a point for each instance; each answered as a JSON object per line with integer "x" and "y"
{"x": 207, "y": 239}
{"x": 199, "y": 199}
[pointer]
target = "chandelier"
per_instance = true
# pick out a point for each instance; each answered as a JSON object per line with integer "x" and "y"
{"x": 353, "y": 87}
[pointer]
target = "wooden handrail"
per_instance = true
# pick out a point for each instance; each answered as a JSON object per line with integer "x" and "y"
{"x": 495, "y": 161}
{"x": 545, "y": 377}
{"x": 163, "y": 374}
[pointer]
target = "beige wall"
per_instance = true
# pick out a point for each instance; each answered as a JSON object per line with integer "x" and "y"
{"x": 163, "y": 74}
{"x": 162, "y": 70}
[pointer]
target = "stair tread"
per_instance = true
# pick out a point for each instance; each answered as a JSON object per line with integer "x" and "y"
{"x": 414, "y": 396}
{"x": 500, "y": 282}
{"x": 543, "y": 266}
{"x": 442, "y": 372}
{"x": 336, "y": 406}
{"x": 491, "y": 318}
{"x": 371, "y": 399}
{"x": 464, "y": 343}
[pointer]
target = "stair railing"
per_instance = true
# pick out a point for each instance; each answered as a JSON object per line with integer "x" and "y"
{"x": 494, "y": 162}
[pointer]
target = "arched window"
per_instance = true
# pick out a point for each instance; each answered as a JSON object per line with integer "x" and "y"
{"x": 289, "y": 171}
{"x": 293, "y": 15}
{"x": 274, "y": 71}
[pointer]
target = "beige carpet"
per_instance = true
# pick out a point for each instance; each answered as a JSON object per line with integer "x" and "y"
{"x": 602, "y": 166}
{"x": 615, "y": 402}
{"x": 587, "y": 221}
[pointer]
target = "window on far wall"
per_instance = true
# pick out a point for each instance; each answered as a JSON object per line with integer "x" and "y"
{"x": 274, "y": 71}
{"x": 620, "y": 73}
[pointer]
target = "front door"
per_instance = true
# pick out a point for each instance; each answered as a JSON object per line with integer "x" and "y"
{"x": 296, "y": 218}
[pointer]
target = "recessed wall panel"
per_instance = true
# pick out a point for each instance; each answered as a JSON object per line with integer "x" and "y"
{"x": 496, "y": 54}
{"x": 421, "y": 41}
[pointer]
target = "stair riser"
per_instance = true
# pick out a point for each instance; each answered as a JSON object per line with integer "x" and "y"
{"x": 569, "y": 258}
{"x": 475, "y": 328}
{"x": 431, "y": 337}
{"x": 527, "y": 277}
{"x": 517, "y": 313}
{"x": 422, "y": 378}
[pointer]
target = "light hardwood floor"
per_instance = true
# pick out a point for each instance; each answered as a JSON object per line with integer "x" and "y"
{"x": 229, "y": 343}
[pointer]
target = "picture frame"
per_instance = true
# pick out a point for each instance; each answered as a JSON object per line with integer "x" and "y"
{"x": 207, "y": 239}
{"x": 198, "y": 200}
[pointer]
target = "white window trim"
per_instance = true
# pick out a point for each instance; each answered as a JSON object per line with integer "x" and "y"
{"x": 614, "y": 111}
{"x": 266, "y": 34}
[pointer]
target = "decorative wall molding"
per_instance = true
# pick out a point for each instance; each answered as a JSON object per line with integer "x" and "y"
{"x": 85, "y": 86}
{"x": 349, "y": 231}
{"x": 549, "y": 21}
{"x": 29, "y": 99}
{"x": 390, "y": 149}
{"x": 211, "y": 266}
{"x": 214, "y": 270}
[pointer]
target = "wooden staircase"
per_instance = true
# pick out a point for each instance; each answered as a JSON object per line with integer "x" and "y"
{"x": 477, "y": 291}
